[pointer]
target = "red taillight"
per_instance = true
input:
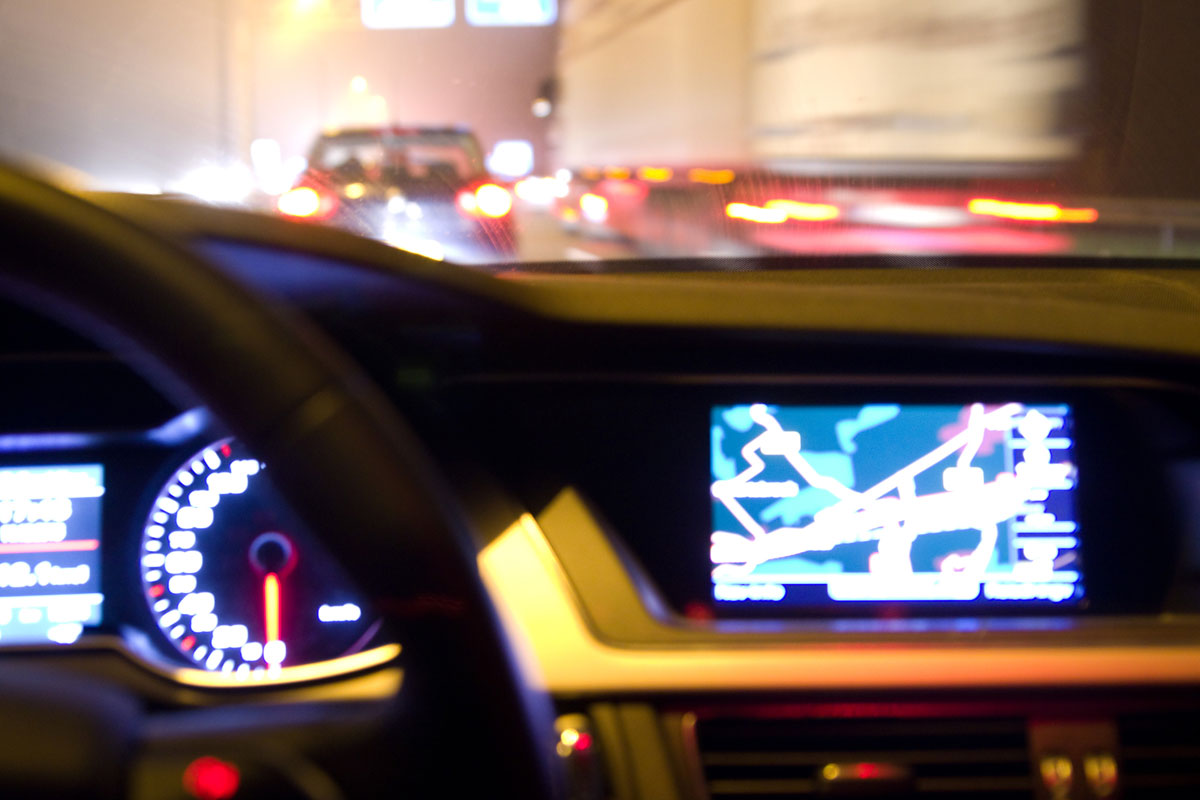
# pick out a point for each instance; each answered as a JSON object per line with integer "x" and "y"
{"x": 493, "y": 201}
{"x": 1030, "y": 212}
{"x": 306, "y": 202}
{"x": 488, "y": 200}
{"x": 775, "y": 212}
{"x": 805, "y": 212}
{"x": 303, "y": 201}
{"x": 594, "y": 208}
{"x": 466, "y": 202}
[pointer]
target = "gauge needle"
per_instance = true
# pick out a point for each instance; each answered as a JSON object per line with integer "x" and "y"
{"x": 271, "y": 606}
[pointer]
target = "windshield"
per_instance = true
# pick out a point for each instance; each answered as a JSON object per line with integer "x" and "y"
{"x": 521, "y": 131}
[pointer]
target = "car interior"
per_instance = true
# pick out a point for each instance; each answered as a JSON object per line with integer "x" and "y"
{"x": 511, "y": 471}
{"x": 290, "y": 512}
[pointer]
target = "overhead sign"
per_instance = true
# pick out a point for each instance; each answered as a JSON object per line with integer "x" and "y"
{"x": 512, "y": 12}
{"x": 385, "y": 14}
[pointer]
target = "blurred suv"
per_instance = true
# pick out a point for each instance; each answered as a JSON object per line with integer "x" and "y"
{"x": 420, "y": 189}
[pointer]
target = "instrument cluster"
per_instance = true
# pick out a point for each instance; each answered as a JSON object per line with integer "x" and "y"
{"x": 173, "y": 544}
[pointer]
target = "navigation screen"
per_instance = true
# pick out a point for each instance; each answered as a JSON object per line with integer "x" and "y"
{"x": 49, "y": 552}
{"x": 814, "y": 505}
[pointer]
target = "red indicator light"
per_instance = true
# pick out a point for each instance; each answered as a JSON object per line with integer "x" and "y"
{"x": 209, "y": 778}
{"x": 226, "y": 450}
{"x": 156, "y": 590}
{"x": 583, "y": 743}
{"x": 187, "y": 643}
{"x": 865, "y": 771}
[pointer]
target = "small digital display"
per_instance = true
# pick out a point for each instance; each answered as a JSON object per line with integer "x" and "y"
{"x": 49, "y": 552}
{"x": 844, "y": 505}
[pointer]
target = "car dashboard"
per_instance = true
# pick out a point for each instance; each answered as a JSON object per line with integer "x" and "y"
{"x": 575, "y": 417}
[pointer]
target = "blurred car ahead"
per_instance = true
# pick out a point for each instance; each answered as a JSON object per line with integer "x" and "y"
{"x": 421, "y": 189}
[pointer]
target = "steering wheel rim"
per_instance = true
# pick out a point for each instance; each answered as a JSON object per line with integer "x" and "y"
{"x": 283, "y": 388}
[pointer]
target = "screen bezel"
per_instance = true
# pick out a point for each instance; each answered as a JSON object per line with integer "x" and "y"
{"x": 805, "y": 600}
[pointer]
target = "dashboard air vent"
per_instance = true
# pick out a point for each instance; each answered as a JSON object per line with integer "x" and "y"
{"x": 943, "y": 758}
{"x": 1160, "y": 756}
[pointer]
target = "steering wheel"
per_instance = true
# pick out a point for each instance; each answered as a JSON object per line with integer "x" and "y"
{"x": 283, "y": 388}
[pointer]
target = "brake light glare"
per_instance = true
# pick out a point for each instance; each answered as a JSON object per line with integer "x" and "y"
{"x": 806, "y": 212}
{"x": 775, "y": 212}
{"x": 1030, "y": 212}
{"x": 489, "y": 200}
{"x": 594, "y": 207}
{"x": 466, "y": 202}
{"x": 493, "y": 201}
{"x": 303, "y": 201}
{"x": 749, "y": 213}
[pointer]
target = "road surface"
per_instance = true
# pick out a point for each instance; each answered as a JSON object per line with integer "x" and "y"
{"x": 540, "y": 238}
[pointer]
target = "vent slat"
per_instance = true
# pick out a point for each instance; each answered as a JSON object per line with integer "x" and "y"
{"x": 980, "y": 784}
{"x": 773, "y": 759}
{"x": 1159, "y": 756}
{"x": 947, "y": 758}
{"x": 763, "y": 787}
{"x": 1149, "y": 752}
{"x": 1160, "y": 781}
{"x": 752, "y": 786}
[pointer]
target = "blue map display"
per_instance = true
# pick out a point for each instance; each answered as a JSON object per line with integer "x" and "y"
{"x": 883, "y": 502}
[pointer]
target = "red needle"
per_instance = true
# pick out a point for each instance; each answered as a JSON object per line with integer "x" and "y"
{"x": 271, "y": 605}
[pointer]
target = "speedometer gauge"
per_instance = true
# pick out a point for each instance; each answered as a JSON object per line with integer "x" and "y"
{"x": 234, "y": 580}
